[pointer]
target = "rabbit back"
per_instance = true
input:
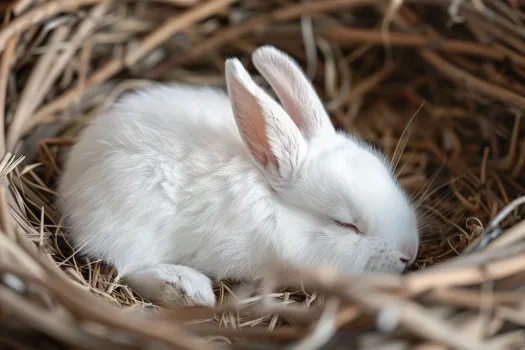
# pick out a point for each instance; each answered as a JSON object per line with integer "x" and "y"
{"x": 163, "y": 176}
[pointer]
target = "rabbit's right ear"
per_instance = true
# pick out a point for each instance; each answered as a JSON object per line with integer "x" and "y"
{"x": 274, "y": 141}
{"x": 296, "y": 93}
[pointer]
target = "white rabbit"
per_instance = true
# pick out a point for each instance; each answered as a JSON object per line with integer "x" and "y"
{"x": 176, "y": 184}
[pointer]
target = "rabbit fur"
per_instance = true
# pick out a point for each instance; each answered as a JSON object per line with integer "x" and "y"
{"x": 176, "y": 185}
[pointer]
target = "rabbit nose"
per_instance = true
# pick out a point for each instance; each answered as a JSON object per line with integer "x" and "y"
{"x": 407, "y": 252}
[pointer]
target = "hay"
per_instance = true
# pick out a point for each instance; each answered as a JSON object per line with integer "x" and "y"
{"x": 439, "y": 86}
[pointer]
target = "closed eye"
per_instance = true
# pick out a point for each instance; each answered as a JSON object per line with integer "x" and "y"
{"x": 348, "y": 226}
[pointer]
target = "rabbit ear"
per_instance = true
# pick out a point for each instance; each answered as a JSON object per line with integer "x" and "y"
{"x": 273, "y": 139}
{"x": 296, "y": 93}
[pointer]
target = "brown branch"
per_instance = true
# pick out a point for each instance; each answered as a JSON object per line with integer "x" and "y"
{"x": 7, "y": 59}
{"x": 472, "y": 82}
{"x": 48, "y": 10}
{"x": 112, "y": 67}
{"x": 223, "y": 36}
{"x": 356, "y": 35}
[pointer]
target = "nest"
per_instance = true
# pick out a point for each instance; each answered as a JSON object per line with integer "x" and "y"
{"x": 437, "y": 85}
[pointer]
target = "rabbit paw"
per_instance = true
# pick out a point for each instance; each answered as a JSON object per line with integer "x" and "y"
{"x": 173, "y": 285}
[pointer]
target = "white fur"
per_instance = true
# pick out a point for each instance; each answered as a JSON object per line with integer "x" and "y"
{"x": 164, "y": 183}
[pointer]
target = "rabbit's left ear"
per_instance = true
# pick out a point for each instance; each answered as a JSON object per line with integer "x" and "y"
{"x": 294, "y": 90}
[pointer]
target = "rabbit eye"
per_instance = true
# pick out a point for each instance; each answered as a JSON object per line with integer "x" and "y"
{"x": 347, "y": 225}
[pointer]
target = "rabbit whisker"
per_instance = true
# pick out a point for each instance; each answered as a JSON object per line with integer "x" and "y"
{"x": 426, "y": 188}
{"x": 369, "y": 265}
{"x": 431, "y": 208}
{"x": 404, "y": 165}
{"x": 402, "y": 134}
{"x": 423, "y": 199}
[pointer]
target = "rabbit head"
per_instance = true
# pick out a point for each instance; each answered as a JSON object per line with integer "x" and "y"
{"x": 342, "y": 195}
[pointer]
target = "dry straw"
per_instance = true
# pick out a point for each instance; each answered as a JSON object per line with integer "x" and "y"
{"x": 459, "y": 64}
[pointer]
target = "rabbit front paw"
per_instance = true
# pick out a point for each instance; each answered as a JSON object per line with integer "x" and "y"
{"x": 173, "y": 285}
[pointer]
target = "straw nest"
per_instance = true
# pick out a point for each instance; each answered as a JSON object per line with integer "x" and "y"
{"x": 458, "y": 67}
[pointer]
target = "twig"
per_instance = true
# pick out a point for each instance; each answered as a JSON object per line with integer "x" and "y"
{"x": 51, "y": 324}
{"x": 7, "y": 59}
{"x": 114, "y": 66}
{"x": 224, "y": 36}
{"x": 493, "y": 230}
{"x": 357, "y": 35}
{"x": 471, "y": 81}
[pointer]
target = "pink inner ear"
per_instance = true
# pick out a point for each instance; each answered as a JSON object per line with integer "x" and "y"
{"x": 253, "y": 128}
{"x": 262, "y": 157}
{"x": 292, "y": 109}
